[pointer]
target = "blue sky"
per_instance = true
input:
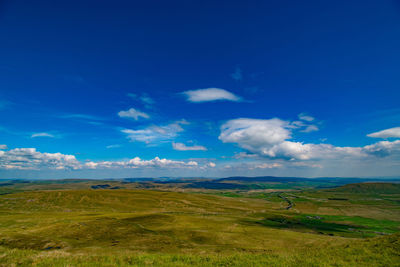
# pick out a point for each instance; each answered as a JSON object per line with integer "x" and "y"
{"x": 97, "y": 89}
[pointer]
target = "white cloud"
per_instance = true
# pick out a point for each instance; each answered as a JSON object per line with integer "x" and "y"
{"x": 183, "y": 147}
{"x": 155, "y": 133}
{"x": 140, "y": 163}
{"x": 3, "y": 147}
{"x": 304, "y": 123}
{"x": 31, "y": 159}
{"x": 271, "y": 138}
{"x": 42, "y": 135}
{"x": 211, "y": 164}
{"x": 253, "y": 134}
{"x": 388, "y": 133}
{"x": 210, "y": 94}
{"x": 268, "y": 165}
{"x": 383, "y": 148}
{"x": 305, "y": 117}
{"x": 133, "y": 113}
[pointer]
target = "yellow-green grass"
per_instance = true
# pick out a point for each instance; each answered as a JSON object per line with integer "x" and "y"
{"x": 383, "y": 251}
{"x": 111, "y": 227}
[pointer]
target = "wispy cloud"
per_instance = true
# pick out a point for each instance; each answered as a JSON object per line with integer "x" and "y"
{"x": 81, "y": 116}
{"x": 305, "y": 117}
{"x": 237, "y": 74}
{"x": 113, "y": 146}
{"x": 43, "y": 134}
{"x": 310, "y": 128}
{"x": 90, "y": 119}
{"x": 147, "y": 100}
{"x": 211, "y": 94}
{"x": 155, "y": 133}
{"x": 144, "y": 98}
{"x": 183, "y": 147}
{"x": 133, "y": 114}
{"x": 304, "y": 124}
{"x": 3, "y": 147}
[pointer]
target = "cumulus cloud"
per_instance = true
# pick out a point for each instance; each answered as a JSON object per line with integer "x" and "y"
{"x": 3, "y": 147}
{"x": 133, "y": 113}
{"x": 155, "y": 133}
{"x": 31, "y": 159}
{"x": 254, "y": 133}
{"x": 383, "y": 148}
{"x": 271, "y": 138}
{"x": 183, "y": 147}
{"x": 140, "y": 163}
{"x": 388, "y": 133}
{"x": 210, "y": 94}
{"x": 211, "y": 164}
{"x": 42, "y": 135}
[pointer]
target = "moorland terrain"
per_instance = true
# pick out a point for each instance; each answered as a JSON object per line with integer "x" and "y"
{"x": 236, "y": 221}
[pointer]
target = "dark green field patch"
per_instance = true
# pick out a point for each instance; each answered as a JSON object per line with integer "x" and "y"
{"x": 345, "y": 226}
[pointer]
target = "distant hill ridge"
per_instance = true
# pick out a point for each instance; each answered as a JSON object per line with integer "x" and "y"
{"x": 381, "y": 188}
{"x": 336, "y": 180}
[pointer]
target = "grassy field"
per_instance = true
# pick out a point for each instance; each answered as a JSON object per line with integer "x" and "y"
{"x": 70, "y": 224}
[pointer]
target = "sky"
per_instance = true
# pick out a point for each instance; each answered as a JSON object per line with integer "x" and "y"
{"x": 113, "y": 89}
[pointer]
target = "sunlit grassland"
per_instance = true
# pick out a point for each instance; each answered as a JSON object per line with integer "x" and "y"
{"x": 148, "y": 227}
{"x": 382, "y": 251}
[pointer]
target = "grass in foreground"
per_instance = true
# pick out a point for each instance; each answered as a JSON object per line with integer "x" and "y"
{"x": 382, "y": 251}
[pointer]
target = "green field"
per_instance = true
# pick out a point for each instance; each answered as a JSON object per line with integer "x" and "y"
{"x": 71, "y": 224}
